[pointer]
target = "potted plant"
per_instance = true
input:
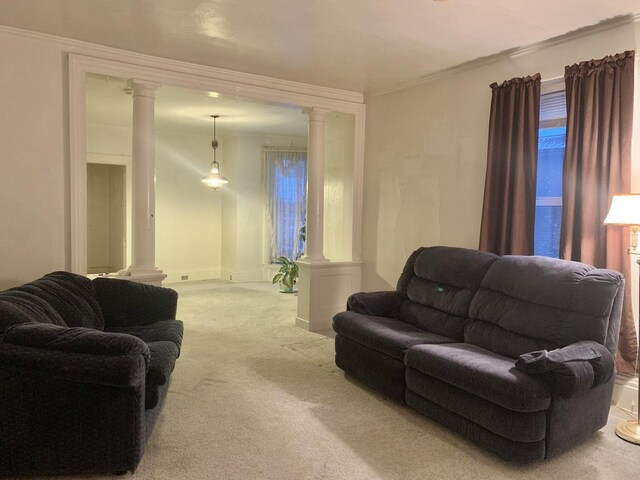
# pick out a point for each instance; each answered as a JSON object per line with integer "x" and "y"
{"x": 287, "y": 275}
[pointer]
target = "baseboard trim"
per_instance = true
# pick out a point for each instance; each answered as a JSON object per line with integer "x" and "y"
{"x": 240, "y": 277}
{"x": 625, "y": 393}
{"x": 302, "y": 323}
{"x": 192, "y": 276}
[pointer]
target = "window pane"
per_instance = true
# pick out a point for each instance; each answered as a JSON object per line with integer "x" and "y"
{"x": 551, "y": 145}
{"x": 285, "y": 182}
{"x": 547, "y": 234}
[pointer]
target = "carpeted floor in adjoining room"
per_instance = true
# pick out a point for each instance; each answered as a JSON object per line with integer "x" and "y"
{"x": 254, "y": 397}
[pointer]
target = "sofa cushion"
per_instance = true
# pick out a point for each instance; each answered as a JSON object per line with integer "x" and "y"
{"x": 163, "y": 360}
{"x": 70, "y": 295}
{"x": 510, "y": 424}
{"x": 378, "y": 370}
{"x": 440, "y": 291}
{"x": 21, "y": 307}
{"x": 164, "y": 330}
{"x": 537, "y": 303}
{"x": 482, "y": 373}
{"x": 386, "y": 335}
{"x": 125, "y": 302}
{"x": 75, "y": 340}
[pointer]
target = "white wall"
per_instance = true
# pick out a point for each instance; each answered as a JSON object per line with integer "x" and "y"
{"x": 228, "y": 158}
{"x": 338, "y": 186}
{"x": 106, "y": 218}
{"x": 34, "y": 170}
{"x": 425, "y": 153}
{"x": 243, "y": 205}
{"x": 187, "y": 212}
{"x": 188, "y": 218}
{"x": 98, "y": 223}
{"x": 424, "y": 172}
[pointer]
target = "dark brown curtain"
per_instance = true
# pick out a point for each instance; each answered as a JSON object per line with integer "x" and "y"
{"x": 597, "y": 165}
{"x": 508, "y": 211}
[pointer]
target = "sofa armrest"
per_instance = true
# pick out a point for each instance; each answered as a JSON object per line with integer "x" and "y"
{"x": 380, "y": 304}
{"x": 570, "y": 370}
{"x": 126, "y": 303}
{"x": 76, "y": 354}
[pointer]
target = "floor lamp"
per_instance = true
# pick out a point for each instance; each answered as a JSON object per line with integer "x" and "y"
{"x": 625, "y": 211}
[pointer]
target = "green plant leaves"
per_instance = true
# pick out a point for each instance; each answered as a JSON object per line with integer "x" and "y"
{"x": 288, "y": 273}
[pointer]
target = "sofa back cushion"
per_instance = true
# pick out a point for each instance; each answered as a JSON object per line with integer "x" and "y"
{"x": 538, "y": 303}
{"x": 439, "y": 284}
{"x": 59, "y": 298}
{"x": 22, "y": 307}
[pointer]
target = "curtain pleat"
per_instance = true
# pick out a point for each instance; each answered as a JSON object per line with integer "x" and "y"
{"x": 597, "y": 165}
{"x": 285, "y": 175}
{"x": 508, "y": 210}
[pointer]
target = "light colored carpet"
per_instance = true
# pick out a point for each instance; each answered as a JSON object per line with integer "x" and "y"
{"x": 254, "y": 397}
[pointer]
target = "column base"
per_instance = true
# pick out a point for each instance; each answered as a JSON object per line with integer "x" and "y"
{"x": 149, "y": 277}
{"x": 323, "y": 289}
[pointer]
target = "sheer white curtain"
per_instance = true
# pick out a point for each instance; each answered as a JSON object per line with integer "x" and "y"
{"x": 285, "y": 175}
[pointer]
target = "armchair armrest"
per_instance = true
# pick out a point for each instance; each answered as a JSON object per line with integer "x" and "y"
{"x": 381, "y": 304}
{"x": 573, "y": 369}
{"x": 126, "y": 303}
{"x": 77, "y": 354}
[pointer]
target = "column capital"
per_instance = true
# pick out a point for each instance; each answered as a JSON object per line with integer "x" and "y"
{"x": 145, "y": 88}
{"x": 315, "y": 114}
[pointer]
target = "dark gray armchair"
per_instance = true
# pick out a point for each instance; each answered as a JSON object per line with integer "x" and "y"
{"x": 84, "y": 368}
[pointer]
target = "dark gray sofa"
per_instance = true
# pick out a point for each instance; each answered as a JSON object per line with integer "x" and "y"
{"x": 515, "y": 353}
{"x": 84, "y": 370}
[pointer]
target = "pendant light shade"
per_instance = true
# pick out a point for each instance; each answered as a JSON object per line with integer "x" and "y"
{"x": 214, "y": 179}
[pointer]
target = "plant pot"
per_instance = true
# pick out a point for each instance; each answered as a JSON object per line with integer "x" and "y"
{"x": 285, "y": 289}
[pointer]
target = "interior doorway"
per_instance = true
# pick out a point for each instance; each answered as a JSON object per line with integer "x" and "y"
{"x": 106, "y": 218}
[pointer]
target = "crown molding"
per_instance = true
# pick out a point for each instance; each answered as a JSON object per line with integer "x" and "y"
{"x": 513, "y": 53}
{"x": 140, "y": 59}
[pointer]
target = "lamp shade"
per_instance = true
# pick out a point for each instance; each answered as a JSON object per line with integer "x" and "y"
{"x": 214, "y": 179}
{"x": 625, "y": 210}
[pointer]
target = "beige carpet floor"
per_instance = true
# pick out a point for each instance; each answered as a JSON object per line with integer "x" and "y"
{"x": 254, "y": 397}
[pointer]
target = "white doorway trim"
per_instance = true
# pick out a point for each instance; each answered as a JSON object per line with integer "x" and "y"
{"x": 168, "y": 72}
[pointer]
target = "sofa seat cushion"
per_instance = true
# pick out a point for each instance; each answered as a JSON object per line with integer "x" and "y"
{"x": 386, "y": 335}
{"x": 162, "y": 331}
{"x": 482, "y": 373}
{"x": 163, "y": 360}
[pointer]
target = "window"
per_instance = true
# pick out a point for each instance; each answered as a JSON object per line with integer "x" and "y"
{"x": 551, "y": 145}
{"x": 285, "y": 186}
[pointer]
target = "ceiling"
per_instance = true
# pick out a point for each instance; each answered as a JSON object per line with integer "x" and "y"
{"x": 359, "y": 45}
{"x": 189, "y": 110}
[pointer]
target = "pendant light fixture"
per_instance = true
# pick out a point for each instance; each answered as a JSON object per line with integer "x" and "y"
{"x": 214, "y": 179}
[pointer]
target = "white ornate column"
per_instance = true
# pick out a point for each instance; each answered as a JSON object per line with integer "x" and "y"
{"x": 143, "y": 196}
{"x": 315, "y": 187}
